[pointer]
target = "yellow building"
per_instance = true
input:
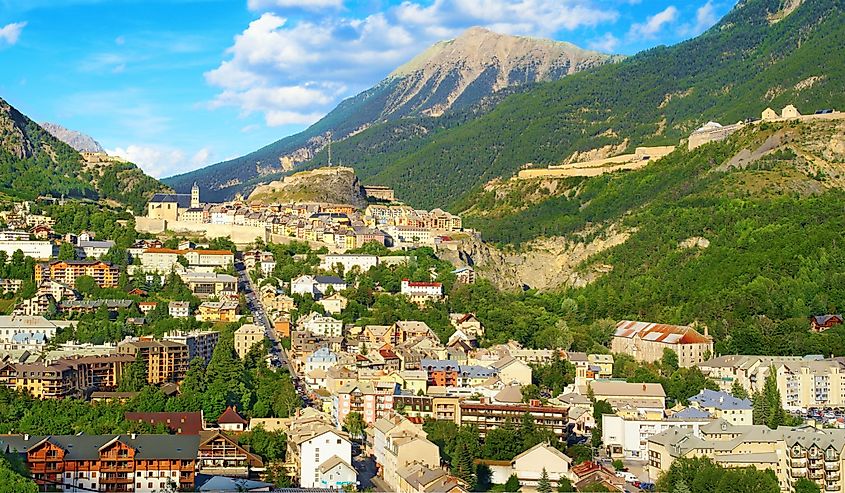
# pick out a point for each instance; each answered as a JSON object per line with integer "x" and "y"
{"x": 247, "y": 336}
{"x": 218, "y": 311}
{"x": 40, "y": 380}
{"x": 68, "y": 271}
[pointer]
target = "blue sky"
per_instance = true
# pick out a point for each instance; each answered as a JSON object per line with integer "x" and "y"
{"x": 176, "y": 85}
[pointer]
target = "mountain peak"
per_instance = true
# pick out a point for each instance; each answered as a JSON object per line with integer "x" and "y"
{"x": 480, "y": 48}
{"x": 78, "y": 140}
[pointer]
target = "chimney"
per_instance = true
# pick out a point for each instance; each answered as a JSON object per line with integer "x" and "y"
{"x": 26, "y": 437}
{"x": 645, "y": 387}
{"x": 133, "y": 436}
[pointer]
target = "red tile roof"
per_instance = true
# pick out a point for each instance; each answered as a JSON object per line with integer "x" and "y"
{"x": 665, "y": 333}
{"x": 231, "y": 416}
{"x": 188, "y": 423}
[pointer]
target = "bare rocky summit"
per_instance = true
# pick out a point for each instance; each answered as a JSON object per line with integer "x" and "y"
{"x": 78, "y": 140}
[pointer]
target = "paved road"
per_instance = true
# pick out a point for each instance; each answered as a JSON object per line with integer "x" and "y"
{"x": 260, "y": 316}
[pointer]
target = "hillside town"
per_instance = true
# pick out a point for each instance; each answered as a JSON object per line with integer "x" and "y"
{"x": 422, "y": 246}
{"x": 369, "y": 403}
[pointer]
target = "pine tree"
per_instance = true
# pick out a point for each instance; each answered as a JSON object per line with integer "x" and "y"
{"x": 512, "y": 484}
{"x": 463, "y": 462}
{"x": 543, "y": 485}
{"x": 738, "y": 391}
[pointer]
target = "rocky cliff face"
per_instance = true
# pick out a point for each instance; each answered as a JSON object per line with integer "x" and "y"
{"x": 545, "y": 264}
{"x": 336, "y": 185}
{"x": 13, "y": 132}
{"x": 77, "y": 140}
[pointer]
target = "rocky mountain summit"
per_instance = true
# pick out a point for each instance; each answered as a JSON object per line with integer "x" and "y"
{"x": 78, "y": 140}
{"x": 451, "y": 75}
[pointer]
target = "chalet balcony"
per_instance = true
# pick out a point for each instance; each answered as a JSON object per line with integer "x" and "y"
{"x": 831, "y": 466}
{"x": 798, "y": 472}
{"x": 815, "y": 464}
{"x": 816, "y": 474}
{"x": 831, "y": 487}
{"x": 116, "y": 480}
{"x": 833, "y": 476}
{"x": 797, "y": 462}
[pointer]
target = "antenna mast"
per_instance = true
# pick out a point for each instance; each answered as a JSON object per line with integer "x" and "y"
{"x": 330, "y": 149}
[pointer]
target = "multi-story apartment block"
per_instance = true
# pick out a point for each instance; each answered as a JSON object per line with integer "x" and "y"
{"x": 163, "y": 260}
{"x": 487, "y": 416}
{"x": 167, "y": 361}
{"x": 41, "y": 380}
{"x": 790, "y": 452}
{"x": 200, "y": 343}
{"x": 101, "y": 372}
{"x": 68, "y": 271}
{"x": 247, "y": 336}
{"x": 802, "y": 382}
{"x": 646, "y": 341}
{"x": 627, "y": 437}
{"x": 371, "y": 399}
{"x": 110, "y": 463}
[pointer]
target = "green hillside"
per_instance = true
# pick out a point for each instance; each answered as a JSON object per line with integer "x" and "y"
{"x": 33, "y": 163}
{"x": 731, "y": 72}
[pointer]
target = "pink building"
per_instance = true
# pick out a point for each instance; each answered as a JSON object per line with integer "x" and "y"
{"x": 372, "y": 399}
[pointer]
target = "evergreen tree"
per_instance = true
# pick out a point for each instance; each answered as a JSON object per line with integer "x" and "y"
{"x": 67, "y": 251}
{"x": 135, "y": 377}
{"x": 738, "y": 391}
{"x": 512, "y": 484}
{"x": 564, "y": 485}
{"x": 463, "y": 466}
{"x": 543, "y": 485}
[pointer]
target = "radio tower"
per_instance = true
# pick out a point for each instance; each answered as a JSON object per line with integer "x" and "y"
{"x": 330, "y": 149}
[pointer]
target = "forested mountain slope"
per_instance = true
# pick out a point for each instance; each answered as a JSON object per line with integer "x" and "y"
{"x": 450, "y": 76}
{"x": 733, "y": 71}
{"x": 33, "y": 163}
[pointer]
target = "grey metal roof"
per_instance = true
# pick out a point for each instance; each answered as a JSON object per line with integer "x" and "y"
{"x": 182, "y": 200}
{"x": 720, "y": 400}
{"x": 87, "y": 447}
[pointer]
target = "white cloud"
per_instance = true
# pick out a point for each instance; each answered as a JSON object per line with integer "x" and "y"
{"x": 705, "y": 17}
{"x": 293, "y": 71}
{"x": 655, "y": 23}
{"x": 606, "y": 43}
{"x": 300, "y": 4}
{"x": 158, "y": 161}
{"x": 10, "y": 33}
